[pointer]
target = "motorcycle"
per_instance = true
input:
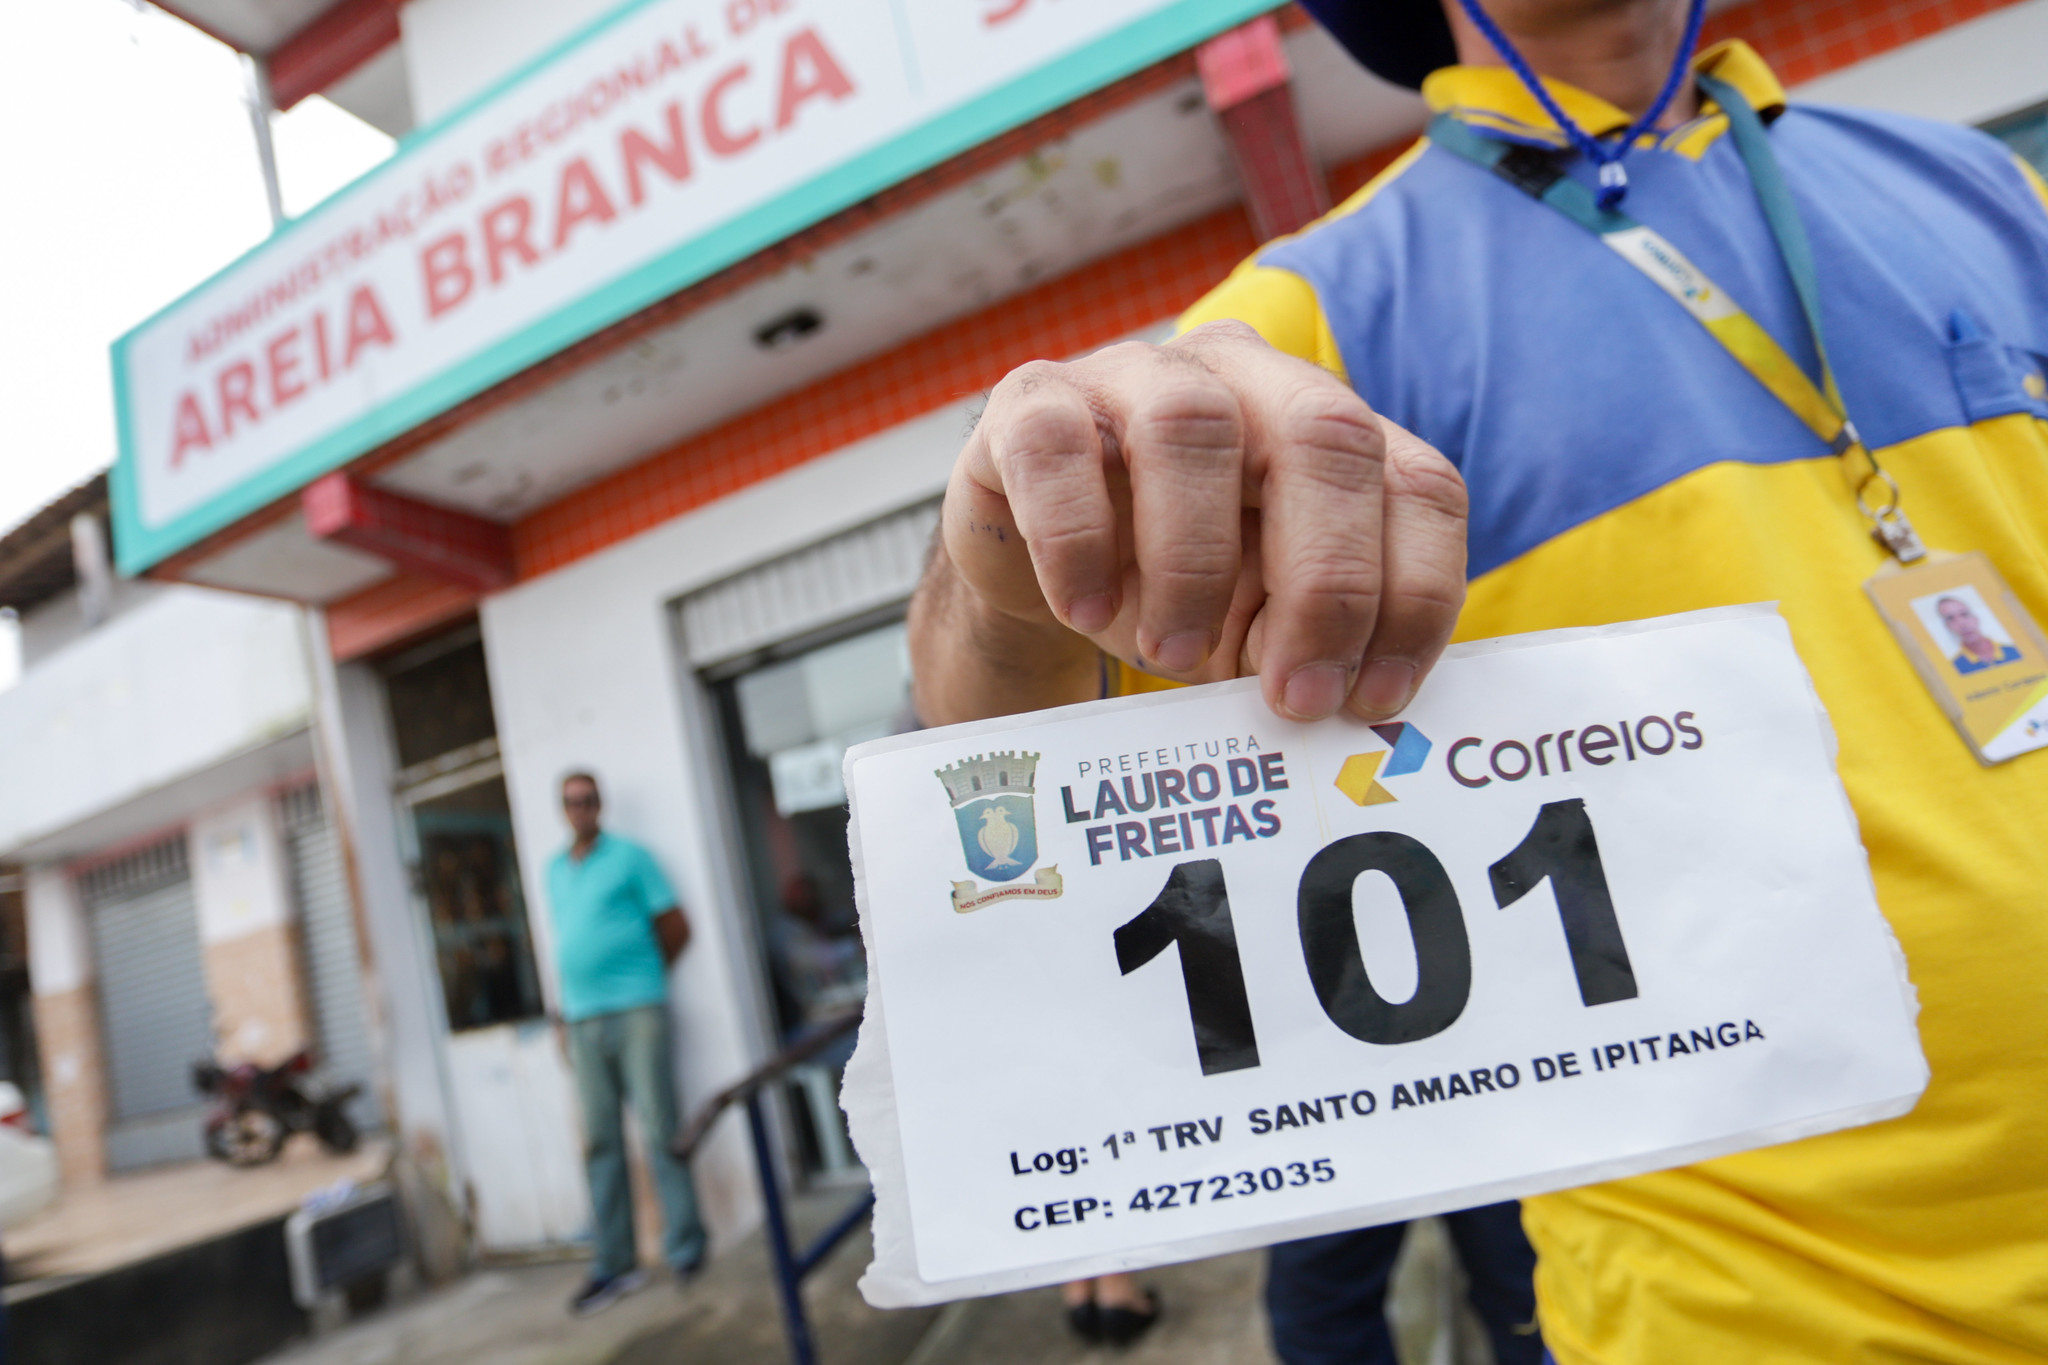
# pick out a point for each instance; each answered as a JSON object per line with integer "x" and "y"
{"x": 257, "y": 1108}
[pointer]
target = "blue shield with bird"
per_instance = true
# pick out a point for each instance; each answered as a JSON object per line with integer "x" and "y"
{"x": 991, "y": 798}
{"x": 999, "y": 836}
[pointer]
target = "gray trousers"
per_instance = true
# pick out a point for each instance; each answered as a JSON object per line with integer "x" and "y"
{"x": 620, "y": 1059}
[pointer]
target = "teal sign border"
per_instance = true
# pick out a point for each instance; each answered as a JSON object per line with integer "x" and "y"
{"x": 1135, "y": 46}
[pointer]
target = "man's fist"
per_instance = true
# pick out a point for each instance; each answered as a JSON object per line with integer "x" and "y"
{"x": 1207, "y": 509}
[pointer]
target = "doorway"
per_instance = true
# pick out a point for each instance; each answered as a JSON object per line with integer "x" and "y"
{"x": 788, "y": 723}
{"x": 508, "y": 1080}
{"x": 458, "y": 832}
{"x": 155, "y": 1015}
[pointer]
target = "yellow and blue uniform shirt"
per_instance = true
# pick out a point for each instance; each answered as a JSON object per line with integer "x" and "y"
{"x": 1623, "y": 465}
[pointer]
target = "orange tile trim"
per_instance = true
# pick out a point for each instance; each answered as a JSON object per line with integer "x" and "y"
{"x": 1085, "y": 308}
{"x": 1088, "y": 307}
{"x": 399, "y": 609}
{"x": 1802, "y": 39}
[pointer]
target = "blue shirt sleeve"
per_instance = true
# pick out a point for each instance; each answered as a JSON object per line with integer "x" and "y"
{"x": 655, "y": 891}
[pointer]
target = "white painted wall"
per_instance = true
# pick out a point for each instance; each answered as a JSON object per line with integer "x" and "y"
{"x": 10, "y": 650}
{"x": 585, "y": 672}
{"x": 57, "y": 621}
{"x": 241, "y": 883}
{"x": 458, "y": 48}
{"x": 185, "y": 681}
{"x": 1972, "y": 73}
{"x": 240, "y": 880}
{"x": 59, "y": 940}
{"x": 359, "y": 768}
{"x": 59, "y": 957}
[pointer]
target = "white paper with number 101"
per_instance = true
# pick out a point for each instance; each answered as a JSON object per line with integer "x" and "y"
{"x": 1163, "y": 977}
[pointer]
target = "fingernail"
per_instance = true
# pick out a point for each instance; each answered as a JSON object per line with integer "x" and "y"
{"x": 1091, "y": 614}
{"x": 1316, "y": 690}
{"x": 1182, "y": 653}
{"x": 1385, "y": 686}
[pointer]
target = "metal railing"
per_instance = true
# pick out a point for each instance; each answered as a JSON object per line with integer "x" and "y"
{"x": 791, "y": 1265}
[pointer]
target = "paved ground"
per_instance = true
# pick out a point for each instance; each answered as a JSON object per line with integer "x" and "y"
{"x": 131, "y": 1217}
{"x": 515, "y": 1316}
{"x": 1211, "y": 1316}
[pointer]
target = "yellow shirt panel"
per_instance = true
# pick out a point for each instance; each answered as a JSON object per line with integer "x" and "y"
{"x": 1279, "y": 305}
{"x": 1924, "y": 1238}
{"x": 1126, "y": 681}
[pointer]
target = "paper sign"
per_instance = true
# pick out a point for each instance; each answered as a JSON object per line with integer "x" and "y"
{"x": 1163, "y": 977}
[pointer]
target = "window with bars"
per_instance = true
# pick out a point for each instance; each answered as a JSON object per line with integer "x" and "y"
{"x": 137, "y": 870}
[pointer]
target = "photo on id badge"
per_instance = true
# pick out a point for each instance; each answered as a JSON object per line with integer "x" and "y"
{"x": 1971, "y": 634}
{"x": 1976, "y": 648}
{"x": 994, "y": 813}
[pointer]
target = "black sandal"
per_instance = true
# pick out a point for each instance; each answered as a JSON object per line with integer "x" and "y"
{"x": 1122, "y": 1326}
{"x": 1086, "y": 1320}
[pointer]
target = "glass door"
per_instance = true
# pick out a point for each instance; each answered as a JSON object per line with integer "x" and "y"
{"x": 788, "y": 725}
{"x": 467, "y": 872}
{"x": 458, "y": 831}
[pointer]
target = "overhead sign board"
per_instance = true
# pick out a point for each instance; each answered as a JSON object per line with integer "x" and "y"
{"x": 663, "y": 144}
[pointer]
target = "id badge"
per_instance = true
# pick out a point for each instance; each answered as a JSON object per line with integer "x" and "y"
{"x": 1976, "y": 648}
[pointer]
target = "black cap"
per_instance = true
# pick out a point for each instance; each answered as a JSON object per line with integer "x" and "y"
{"x": 1397, "y": 40}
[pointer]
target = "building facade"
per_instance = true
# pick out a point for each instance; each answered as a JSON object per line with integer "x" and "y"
{"x": 184, "y": 890}
{"x": 604, "y": 427}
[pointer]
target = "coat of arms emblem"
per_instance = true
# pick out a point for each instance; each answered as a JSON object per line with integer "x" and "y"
{"x": 992, "y": 806}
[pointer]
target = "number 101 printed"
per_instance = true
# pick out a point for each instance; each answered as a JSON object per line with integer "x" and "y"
{"x": 1252, "y": 953}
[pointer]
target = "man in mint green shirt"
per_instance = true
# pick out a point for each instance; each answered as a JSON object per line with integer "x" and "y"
{"x": 617, "y": 930}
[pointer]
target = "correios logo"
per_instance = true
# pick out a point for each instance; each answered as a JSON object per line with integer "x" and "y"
{"x": 998, "y": 825}
{"x": 1683, "y": 276}
{"x": 1477, "y": 761}
{"x": 1407, "y": 750}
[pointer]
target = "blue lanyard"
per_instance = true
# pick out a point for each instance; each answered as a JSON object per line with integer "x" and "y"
{"x": 1537, "y": 173}
{"x": 1606, "y": 159}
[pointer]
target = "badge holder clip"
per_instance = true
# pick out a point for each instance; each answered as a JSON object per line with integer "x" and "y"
{"x": 1888, "y": 524}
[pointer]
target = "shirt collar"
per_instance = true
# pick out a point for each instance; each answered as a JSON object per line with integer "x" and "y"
{"x": 1494, "y": 98}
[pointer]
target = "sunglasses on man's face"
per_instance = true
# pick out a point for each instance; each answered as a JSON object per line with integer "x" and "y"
{"x": 579, "y": 802}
